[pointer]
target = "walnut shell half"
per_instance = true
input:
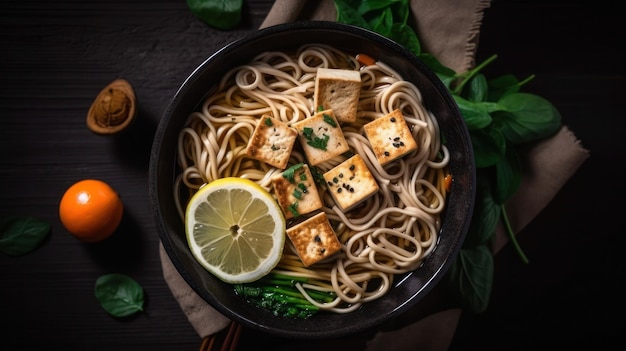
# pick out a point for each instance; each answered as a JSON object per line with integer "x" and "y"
{"x": 113, "y": 109}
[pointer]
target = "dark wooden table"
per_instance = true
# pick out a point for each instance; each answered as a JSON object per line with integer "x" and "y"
{"x": 55, "y": 56}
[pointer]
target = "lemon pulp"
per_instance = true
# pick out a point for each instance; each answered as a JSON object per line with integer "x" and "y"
{"x": 235, "y": 229}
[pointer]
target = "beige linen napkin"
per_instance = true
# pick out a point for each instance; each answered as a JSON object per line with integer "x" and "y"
{"x": 448, "y": 29}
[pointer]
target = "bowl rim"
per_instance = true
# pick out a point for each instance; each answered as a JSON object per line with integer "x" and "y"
{"x": 373, "y": 320}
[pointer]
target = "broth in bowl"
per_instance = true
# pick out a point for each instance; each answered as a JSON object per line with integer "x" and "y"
{"x": 376, "y": 162}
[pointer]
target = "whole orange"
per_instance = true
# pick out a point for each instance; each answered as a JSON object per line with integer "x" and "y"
{"x": 91, "y": 210}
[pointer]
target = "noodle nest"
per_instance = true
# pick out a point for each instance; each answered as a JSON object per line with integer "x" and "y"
{"x": 390, "y": 233}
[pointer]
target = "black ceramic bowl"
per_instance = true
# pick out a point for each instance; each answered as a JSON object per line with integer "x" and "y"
{"x": 411, "y": 287}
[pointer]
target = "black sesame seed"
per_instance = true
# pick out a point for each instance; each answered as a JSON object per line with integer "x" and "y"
{"x": 386, "y": 153}
{"x": 352, "y": 167}
{"x": 339, "y": 190}
{"x": 393, "y": 119}
{"x": 322, "y": 250}
{"x": 317, "y": 239}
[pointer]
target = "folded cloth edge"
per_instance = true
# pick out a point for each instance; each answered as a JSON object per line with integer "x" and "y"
{"x": 205, "y": 319}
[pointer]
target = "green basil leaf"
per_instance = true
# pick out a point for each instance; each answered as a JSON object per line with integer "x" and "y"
{"x": 508, "y": 176}
{"x": 119, "y": 295}
{"x": 502, "y": 86}
{"x": 404, "y": 35}
{"x": 221, "y": 14}
{"x": 365, "y": 7}
{"x": 529, "y": 117}
{"x": 473, "y": 274}
{"x": 382, "y": 23}
{"x": 444, "y": 73}
{"x": 22, "y": 235}
{"x": 445, "y": 79}
{"x": 489, "y": 146}
{"x": 476, "y": 114}
{"x": 487, "y": 215}
{"x": 477, "y": 90}
{"x": 347, "y": 13}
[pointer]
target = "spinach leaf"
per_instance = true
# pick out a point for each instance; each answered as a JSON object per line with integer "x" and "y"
{"x": 472, "y": 273}
{"x": 347, "y": 13}
{"x": 508, "y": 176}
{"x": 119, "y": 294}
{"x": 21, "y": 235}
{"x": 477, "y": 115}
{"x": 529, "y": 117}
{"x": 487, "y": 214}
{"x": 489, "y": 146}
{"x": 221, "y": 14}
{"x": 502, "y": 86}
{"x": 477, "y": 91}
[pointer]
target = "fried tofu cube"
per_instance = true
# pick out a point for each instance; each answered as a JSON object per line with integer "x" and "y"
{"x": 314, "y": 239}
{"x": 321, "y": 137}
{"x": 390, "y": 137}
{"x": 351, "y": 182}
{"x": 296, "y": 192}
{"x": 339, "y": 90}
{"x": 272, "y": 142}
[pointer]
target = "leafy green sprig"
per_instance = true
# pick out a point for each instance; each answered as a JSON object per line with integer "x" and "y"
{"x": 499, "y": 118}
{"x": 220, "y": 14}
{"x": 20, "y": 235}
{"x": 278, "y": 293}
{"x": 119, "y": 294}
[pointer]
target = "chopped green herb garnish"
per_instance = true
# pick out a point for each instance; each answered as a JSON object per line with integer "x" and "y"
{"x": 314, "y": 141}
{"x": 307, "y": 132}
{"x": 318, "y": 175}
{"x": 290, "y": 173}
{"x": 268, "y": 122}
{"x": 297, "y": 194}
{"x": 293, "y": 208}
{"x": 319, "y": 143}
{"x": 328, "y": 119}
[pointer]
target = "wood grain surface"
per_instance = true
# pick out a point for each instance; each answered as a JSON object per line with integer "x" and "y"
{"x": 55, "y": 56}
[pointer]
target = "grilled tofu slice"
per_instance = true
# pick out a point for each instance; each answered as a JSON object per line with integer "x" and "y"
{"x": 351, "y": 182}
{"x": 314, "y": 239}
{"x": 272, "y": 142}
{"x": 321, "y": 137}
{"x": 296, "y": 191}
{"x": 390, "y": 137}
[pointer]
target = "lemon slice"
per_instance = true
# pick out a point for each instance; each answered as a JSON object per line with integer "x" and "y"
{"x": 235, "y": 229}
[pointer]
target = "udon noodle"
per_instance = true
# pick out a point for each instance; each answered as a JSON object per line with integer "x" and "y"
{"x": 390, "y": 233}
